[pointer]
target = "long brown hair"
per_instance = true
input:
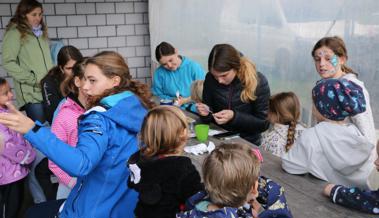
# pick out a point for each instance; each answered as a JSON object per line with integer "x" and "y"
{"x": 225, "y": 57}
{"x": 284, "y": 108}
{"x": 162, "y": 131}
{"x": 113, "y": 64}
{"x": 337, "y": 45}
{"x": 20, "y": 20}
{"x": 65, "y": 54}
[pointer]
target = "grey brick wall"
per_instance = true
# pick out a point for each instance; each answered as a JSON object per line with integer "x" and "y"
{"x": 94, "y": 26}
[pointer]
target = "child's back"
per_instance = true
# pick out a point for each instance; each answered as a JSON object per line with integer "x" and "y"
{"x": 164, "y": 184}
{"x": 274, "y": 139}
{"x": 284, "y": 113}
{"x": 332, "y": 152}
{"x": 160, "y": 174}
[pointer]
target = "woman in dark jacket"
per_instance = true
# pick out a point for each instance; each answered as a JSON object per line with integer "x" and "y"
{"x": 235, "y": 95}
{"x": 51, "y": 83}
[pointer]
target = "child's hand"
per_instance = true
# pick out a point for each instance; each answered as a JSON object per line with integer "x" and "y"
{"x": 223, "y": 116}
{"x": 180, "y": 100}
{"x": 255, "y": 207}
{"x": 328, "y": 189}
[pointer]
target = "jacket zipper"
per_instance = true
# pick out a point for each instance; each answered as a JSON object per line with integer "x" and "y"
{"x": 230, "y": 97}
{"x": 43, "y": 55}
{"x": 76, "y": 197}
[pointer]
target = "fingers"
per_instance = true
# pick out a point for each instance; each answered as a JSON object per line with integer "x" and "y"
{"x": 202, "y": 109}
{"x": 11, "y": 107}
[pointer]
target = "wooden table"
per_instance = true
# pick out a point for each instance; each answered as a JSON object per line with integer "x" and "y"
{"x": 303, "y": 193}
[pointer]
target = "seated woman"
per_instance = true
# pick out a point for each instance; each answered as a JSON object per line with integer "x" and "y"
{"x": 235, "y": 95}
{"x": 172, "y": 80}
{"x": 333, "y": 150}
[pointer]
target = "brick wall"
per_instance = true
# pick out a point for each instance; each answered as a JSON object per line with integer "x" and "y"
{"x": 93, "y": 26}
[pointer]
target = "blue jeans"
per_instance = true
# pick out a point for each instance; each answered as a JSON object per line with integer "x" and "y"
{"x": 35, "y": 189}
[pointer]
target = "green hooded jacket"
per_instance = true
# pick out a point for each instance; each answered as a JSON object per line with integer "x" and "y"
{"x": 27, "y": 61}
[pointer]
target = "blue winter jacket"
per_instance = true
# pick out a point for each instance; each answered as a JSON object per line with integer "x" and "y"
{"x": 107, "y": 138}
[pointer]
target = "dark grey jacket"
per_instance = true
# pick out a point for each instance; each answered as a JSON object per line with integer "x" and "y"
{"x": 250, "y": 119}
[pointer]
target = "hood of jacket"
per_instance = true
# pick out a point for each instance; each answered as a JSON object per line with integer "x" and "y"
{"x": 124, "y": 109}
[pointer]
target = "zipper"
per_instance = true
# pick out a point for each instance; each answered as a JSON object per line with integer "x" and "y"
{"x": 77, "y": 195}
{"x": 230, "y": 97}
{"x": 43, "y": 55}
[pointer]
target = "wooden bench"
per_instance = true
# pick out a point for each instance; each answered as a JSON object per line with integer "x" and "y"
{"x": 303, "y": 192}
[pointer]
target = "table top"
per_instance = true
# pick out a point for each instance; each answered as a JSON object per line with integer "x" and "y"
{"x": 303, "y": 192}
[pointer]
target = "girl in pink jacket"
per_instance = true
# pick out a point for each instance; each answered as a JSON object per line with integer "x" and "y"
{"x": 15, "y": 155}
{"x": 65, "y": 123}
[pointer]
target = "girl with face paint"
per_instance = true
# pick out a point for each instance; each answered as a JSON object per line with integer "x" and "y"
{"x": 330, "y": 57}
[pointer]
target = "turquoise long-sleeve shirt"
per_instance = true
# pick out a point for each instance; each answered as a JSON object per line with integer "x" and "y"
{"x": 166, "y": 82}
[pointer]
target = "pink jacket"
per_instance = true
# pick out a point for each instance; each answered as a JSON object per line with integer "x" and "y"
{"x": 65, "y": 127}
{"x": 16, "y": 154}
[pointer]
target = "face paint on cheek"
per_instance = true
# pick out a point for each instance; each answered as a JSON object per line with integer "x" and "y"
{"x": 334, "y": 62}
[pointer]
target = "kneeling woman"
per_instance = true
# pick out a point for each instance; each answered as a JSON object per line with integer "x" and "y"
{"x": 235, "y": 95}
{"x": 107, "y": 136}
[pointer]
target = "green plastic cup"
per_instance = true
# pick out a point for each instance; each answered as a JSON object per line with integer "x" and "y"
{"x": 201, "y": 131}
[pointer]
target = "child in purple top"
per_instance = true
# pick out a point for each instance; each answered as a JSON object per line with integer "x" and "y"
{"x": 15, "y": 154}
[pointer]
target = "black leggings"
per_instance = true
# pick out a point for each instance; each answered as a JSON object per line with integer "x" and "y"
{"x": 11, "y": 197}
{"x": 43, "y": 175}
{"x": 48, "y": 209}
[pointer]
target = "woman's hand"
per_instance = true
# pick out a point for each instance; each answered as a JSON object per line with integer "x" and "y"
{"x": 16, "y": 120}
{"x": 203, "y": 109}
{"x": 223, "y": 116}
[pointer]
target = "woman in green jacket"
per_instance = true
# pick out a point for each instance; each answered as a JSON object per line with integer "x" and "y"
{"x": 26, "y": 56}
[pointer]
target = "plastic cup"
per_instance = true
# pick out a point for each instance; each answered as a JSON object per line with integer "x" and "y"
{"x": 201, "y": 131}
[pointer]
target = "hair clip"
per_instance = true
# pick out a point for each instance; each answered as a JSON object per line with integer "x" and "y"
{"x": 258, "y": 154}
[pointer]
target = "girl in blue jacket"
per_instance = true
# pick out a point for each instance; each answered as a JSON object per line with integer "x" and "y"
{"x": 107, "y": 136}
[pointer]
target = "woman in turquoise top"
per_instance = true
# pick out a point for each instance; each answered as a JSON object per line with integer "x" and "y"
{"x": 175, "y": 75}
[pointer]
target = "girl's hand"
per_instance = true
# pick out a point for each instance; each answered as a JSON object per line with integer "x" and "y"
{"x": 203, "y": 109}
{"x": 223, "y": 116}
{"x": 16, "y": 120}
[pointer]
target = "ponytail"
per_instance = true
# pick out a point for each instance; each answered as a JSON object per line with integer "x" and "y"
{"x": 291, "y": 135}
{"x": 347, "y": 69}
{"x": 249, "y": 79}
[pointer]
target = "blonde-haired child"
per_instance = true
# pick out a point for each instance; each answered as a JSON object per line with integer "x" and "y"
{"x": 355, "y": 198}
{"x": 284, "y": 113}
{"x": 15, "y": 156}
{"x": 160, "y": 174}
{"x": 197, "y": 91}
{"x": 231, "y": 178}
